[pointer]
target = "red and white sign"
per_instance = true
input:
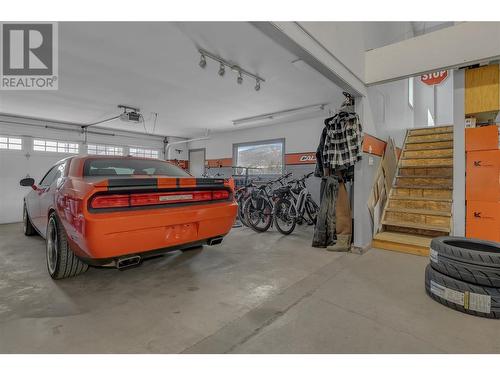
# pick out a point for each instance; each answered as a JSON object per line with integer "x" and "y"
{"x": 300, "y": 158}
{"x": 434, "y": 78}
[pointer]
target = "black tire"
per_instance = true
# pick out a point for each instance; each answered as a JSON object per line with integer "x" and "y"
{"x": 471, "y": 273}
{"x": 287, "y": 205}
{"x": 254, "y": 215}
{"x": 312, "y": 211}
{"x": 28, "y": 228}
{"x": 241, "y": 213}
{"x": 462, "y": 296}
{"x": 61, "y": 261}
{"x": 466, "y": 250}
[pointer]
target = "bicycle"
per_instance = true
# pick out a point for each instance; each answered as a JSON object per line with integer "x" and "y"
{"x": 258, "y": 207}
{"x": 241, "y": 195}
{"x": 208, "y": 175}
{"x": 292, "y": 205}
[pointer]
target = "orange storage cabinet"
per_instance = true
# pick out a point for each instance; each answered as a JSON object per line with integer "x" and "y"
{"x": 483, "y": 220}
{"x": 483, "y": 138}
{"x": 483, "y": 176}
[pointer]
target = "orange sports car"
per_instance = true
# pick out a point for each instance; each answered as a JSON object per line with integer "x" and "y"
{"x": 115, "y": 211}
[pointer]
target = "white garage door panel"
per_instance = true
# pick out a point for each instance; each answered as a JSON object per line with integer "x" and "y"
{"x": 14, "y": 166}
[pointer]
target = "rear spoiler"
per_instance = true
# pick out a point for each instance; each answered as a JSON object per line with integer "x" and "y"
{"x": 114, "y": 184}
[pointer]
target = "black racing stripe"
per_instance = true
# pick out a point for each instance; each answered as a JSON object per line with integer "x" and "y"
{"x": 177, "y": 182}
{"x": 123, "y": 182}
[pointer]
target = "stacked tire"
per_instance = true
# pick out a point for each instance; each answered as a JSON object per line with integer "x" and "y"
{"x": 464, "y": 274}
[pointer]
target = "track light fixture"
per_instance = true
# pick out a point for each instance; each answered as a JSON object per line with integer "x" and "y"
{"x": 203, "y": 61}
{"x": 222, "y": 70}
{"x": 232, "y": 66}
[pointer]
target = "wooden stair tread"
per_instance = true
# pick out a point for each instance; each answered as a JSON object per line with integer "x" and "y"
{"x": 403, "y": 243}
{"x": 437, "y": 187}
{"x": 406, "y": 224}
{"x": 427, "y": 166}
{"x": 419, "y": 211}
{"x": 423, "y": 176}
{"x": 409, "y": 239}
{"x": 427, "y": 157}
{"x": 425, "y": 140}
{"x": 426, "y": 130}
{"x": 436, "y": 147}
{"x": 410, "y": 134}
{"x": 421, "y": 198}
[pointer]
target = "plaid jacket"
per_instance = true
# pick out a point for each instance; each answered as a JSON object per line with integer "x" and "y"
{"x": 343, "y": 141}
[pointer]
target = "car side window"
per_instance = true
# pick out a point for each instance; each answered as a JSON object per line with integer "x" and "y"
{"x": 53, "y": 174}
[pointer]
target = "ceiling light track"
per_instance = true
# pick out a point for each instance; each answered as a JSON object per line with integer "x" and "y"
{"x": 232, "y": 66}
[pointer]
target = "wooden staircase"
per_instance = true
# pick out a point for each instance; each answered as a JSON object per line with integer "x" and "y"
{"x": 419, "y": 204}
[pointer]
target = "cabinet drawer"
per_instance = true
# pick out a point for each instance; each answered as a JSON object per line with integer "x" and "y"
{"x": 483, "y": 220}
{"x": 483, "y": 176}
{"x": 483, "y": 138}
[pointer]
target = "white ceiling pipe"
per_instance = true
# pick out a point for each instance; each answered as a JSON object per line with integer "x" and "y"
{"x": 170, "y": 144}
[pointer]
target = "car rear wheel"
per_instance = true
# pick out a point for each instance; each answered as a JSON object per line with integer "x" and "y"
{"x": 28, "y": 228}
{"x": 61, "y": 261}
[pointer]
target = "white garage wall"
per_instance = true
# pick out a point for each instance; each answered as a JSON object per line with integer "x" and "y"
{"x": 348, "y": 41}
{"x": 392, "y": 114}
{"x": 438, "y": 100}
{"x": 300, "y": 136}
{"x": 15, "y": 165}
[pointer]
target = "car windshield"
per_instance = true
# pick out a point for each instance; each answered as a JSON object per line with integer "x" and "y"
{"x": 131, "y": 167}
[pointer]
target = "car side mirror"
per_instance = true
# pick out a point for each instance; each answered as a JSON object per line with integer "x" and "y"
{"x": 28, "y": 181}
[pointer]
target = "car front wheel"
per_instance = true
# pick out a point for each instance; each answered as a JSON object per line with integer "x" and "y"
{"x": 61, "y": 261}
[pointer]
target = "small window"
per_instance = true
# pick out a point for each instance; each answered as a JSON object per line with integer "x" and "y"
{"x": 94, "y": 149}
{"x": 53, "y": 174}
{"x": 10, "y": 143}
{"x": 144, "y": 152}
{"x": 266, "y": 156}
{"x": 411, "y": 91}
{"x": 430, "y": 118}
{"x": 55, "y": 146}
{"x": 131, "y": 167}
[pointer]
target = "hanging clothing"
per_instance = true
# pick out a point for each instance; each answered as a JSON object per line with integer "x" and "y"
{"x": 324, "y": 231}
{"x": 343, "y": 220}
{"x": 342, "y": 147}
{"x": 319, "y": 171}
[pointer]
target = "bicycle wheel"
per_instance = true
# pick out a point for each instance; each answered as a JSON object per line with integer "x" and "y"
{"x": 312, "y": 210}
{"x": 258, "y": 213}
{"x": 285, "y": 216}
{"x": 241, "y": 213}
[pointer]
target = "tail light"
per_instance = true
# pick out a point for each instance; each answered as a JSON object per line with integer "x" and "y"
{"x": 110, "y": 201}
{"x": 147, "y": 199}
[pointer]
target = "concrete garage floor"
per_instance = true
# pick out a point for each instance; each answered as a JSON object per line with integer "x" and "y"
{"x": 255, "y": 293}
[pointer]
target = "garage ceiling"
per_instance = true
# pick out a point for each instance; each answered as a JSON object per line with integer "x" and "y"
{"x": 155, "y": 66}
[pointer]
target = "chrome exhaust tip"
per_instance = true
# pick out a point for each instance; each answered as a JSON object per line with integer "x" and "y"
{"x": 215, "y": 241}
{"x": 128, "y": 262}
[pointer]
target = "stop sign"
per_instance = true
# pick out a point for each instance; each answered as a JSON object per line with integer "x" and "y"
{"x": 434, "y": 78}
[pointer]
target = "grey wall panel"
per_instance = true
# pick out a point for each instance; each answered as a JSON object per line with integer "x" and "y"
{"x": 459, "y": 153}
{"x": 363, "y": 181}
